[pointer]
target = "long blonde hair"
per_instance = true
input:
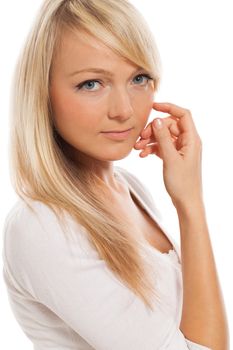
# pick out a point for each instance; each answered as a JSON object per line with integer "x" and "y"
{"x": 40, "y": 167}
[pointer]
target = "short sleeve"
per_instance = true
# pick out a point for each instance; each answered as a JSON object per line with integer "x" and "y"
{"x": 69, "y": 278}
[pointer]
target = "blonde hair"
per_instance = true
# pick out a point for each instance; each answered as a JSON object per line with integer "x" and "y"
{"x": 41, "y": 169}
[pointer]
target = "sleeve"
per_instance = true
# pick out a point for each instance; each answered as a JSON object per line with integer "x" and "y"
{"x": 69, "y": 278}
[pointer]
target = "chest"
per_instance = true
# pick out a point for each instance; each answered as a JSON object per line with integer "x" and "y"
{"x": 147, "y": 227}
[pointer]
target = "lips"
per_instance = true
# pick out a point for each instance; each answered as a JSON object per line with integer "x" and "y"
{"x": 117, "y": 134}
{"x": 117, "y": 131}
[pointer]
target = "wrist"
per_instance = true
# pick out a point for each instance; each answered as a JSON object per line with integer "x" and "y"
{"x": 192, "y": 218}
{"x": 189, "y": 206}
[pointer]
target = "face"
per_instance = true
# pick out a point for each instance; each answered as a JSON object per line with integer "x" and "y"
{"x": 94, "y": 91}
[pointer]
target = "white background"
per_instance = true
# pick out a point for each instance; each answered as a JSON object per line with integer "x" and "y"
{"x": 195, "y": 44}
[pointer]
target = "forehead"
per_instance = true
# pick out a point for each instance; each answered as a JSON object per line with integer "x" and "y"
{"x": 81, "y": 50}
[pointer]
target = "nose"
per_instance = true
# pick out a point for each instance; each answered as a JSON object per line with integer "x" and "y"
{"x": 120, "y": 105}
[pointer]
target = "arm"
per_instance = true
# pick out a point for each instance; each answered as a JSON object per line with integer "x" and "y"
{"x": 203, "y": 314}
{"x": 68, "y": 278}
{"x": 176, "y": 141}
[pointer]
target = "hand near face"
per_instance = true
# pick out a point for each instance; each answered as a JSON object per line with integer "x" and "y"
{"x": 178, "y": 144}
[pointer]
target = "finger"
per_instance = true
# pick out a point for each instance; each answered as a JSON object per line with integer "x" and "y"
{"x": 174, "y": 133}
{"x": 141, "y": 143}
{"x": 184, "y": 115}
{"x": 154, "y": 148}
{"x": 170, "y": 108}
{"x": 165, "y": 143}
{"x": 147, "y": 132}
{"x": 171, "y": 123}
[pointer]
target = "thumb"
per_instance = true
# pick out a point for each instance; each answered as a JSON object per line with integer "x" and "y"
{"x": 163, "y": 137}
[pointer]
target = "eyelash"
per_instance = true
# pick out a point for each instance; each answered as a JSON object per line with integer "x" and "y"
{"x": 80, "y": 86}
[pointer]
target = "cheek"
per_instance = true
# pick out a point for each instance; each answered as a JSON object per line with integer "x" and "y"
{"x": 69, "y": 111}
{"x": 143, "y": 106}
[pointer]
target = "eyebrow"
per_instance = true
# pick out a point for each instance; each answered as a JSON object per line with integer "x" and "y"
{"x": 100, "y": 71}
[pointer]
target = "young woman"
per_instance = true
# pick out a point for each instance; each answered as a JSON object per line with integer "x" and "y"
{"x": 87, "y": 262}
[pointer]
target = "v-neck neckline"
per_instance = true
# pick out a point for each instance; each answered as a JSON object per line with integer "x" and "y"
{"x": 153, "y": 217}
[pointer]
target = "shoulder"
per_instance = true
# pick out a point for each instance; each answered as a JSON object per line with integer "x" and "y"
{"x": 33, "y": 235}
{"x": 36, "y": 223}
{"x": 25, "y": 228}
{"x": 24, "y": 220}
{"x": 37, "y": 249}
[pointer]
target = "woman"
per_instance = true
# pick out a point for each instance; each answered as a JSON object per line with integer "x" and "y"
{"x": 87, "y": 262}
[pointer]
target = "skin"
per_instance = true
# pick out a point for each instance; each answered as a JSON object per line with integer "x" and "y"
{"x": 120, "y": 103}
{"x": 203, "y": 319}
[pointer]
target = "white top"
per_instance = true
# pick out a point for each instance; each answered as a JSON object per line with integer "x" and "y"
{"x": 65, "y": 297}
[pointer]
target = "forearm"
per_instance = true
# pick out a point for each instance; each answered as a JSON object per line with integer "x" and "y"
{"x": 178, "y": 144}
{"x": 203, "y": 315}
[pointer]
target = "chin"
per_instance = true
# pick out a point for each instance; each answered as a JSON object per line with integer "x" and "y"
{"x": 116, "y": 155}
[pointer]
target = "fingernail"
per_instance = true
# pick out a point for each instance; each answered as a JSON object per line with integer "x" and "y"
{"x": 158, "y": 123}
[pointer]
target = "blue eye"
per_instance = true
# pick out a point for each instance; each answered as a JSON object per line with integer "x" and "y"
{"x": 142, "y": 76}
{"x": 89, "y": 85}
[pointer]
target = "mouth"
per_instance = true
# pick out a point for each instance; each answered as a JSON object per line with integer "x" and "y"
{"x": 117, "y": 134}
{"x": 116, "y": 131}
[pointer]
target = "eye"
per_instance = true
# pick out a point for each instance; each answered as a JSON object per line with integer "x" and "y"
{"x": 88, "y": 85}
{"x": 139, "y": 77}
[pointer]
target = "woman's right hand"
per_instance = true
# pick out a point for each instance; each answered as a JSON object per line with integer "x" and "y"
{"x": 176, "y": 141}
